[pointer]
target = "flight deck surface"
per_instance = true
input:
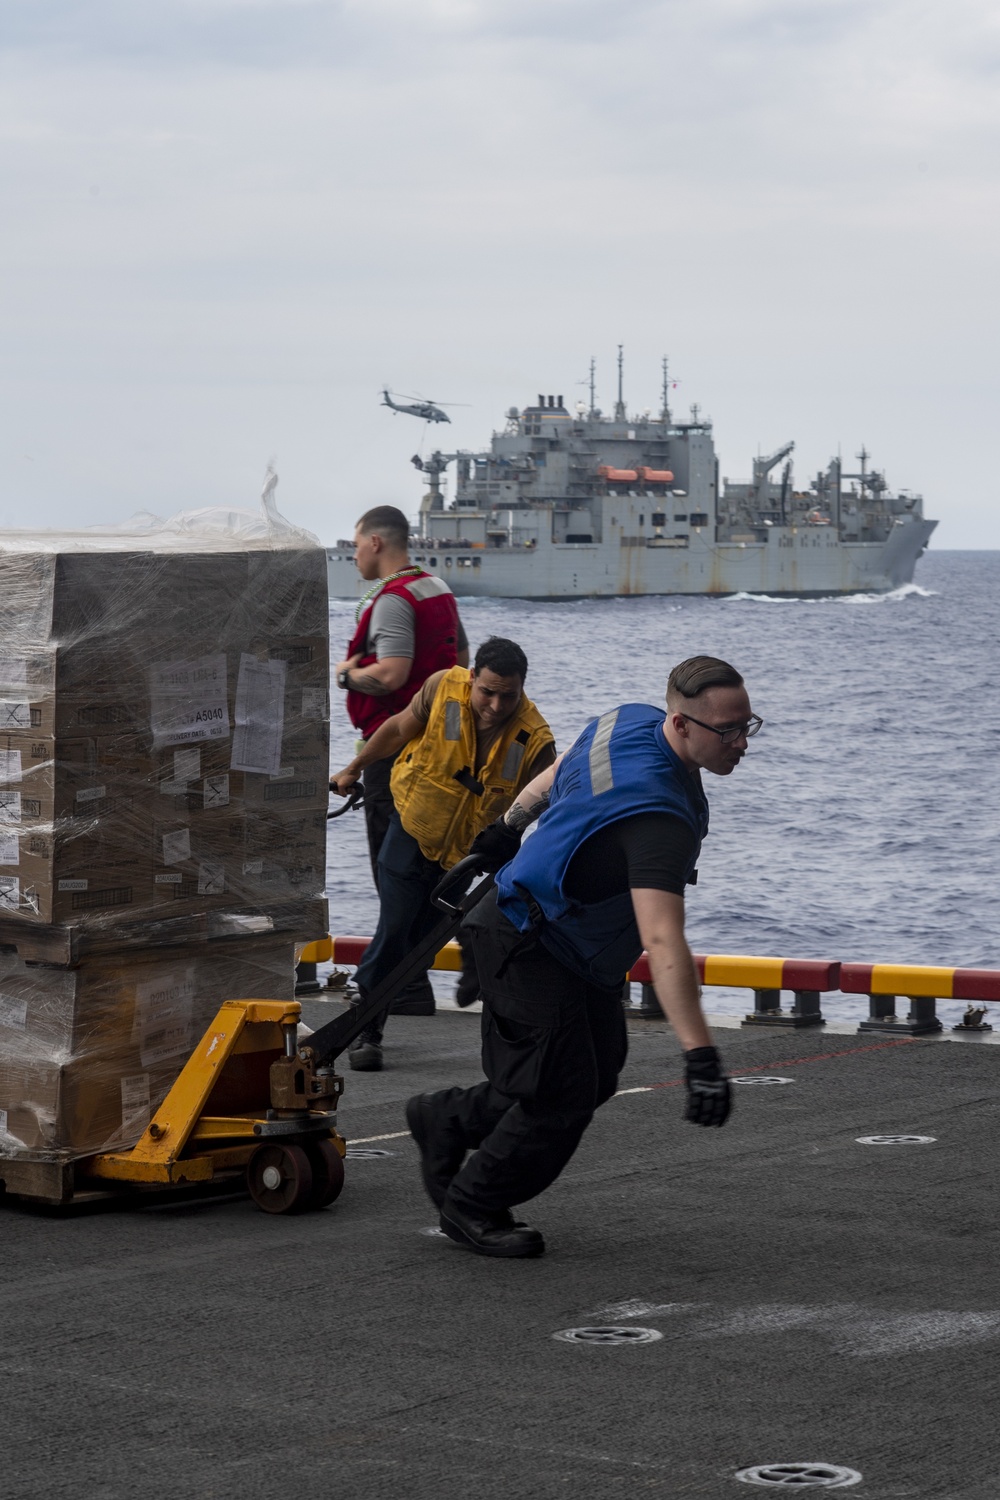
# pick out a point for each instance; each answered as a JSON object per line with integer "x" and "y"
{"x": 818, "y": 1301}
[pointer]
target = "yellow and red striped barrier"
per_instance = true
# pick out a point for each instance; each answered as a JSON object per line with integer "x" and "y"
{"x": 805, "y": 978}
{"x": 920, "y": 980}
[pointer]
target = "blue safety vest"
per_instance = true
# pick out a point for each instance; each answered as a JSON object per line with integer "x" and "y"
{"x": 620, "y": 765}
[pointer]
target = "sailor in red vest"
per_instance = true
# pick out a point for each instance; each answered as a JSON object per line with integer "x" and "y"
{"x": 407, "y": 628}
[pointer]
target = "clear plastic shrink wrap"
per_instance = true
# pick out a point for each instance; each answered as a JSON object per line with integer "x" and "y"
{"x": 164, "y": 758}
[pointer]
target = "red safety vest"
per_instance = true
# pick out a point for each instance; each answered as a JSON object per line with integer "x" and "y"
{"x": 435, "y": 647}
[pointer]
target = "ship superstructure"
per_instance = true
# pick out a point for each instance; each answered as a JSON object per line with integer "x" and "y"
{"x": 570, "y": 504}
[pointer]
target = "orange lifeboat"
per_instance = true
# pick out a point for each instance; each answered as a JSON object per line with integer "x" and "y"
{"x": 617, "y": 476}
{"x": 655, "y": 476}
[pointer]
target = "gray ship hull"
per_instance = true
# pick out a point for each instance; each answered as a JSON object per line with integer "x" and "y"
{"x": 802, "y": 562}
{"x": 576, "y": 505}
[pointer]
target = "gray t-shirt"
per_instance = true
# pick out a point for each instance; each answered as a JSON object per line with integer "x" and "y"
{"x": 391, "y": 629}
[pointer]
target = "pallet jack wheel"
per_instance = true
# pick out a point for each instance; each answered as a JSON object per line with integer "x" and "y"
{"x": 328, "y": 1173}
{"x": 280, "y": 1179}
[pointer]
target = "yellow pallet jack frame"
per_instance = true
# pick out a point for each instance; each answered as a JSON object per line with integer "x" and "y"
{"x": 251, "y": 1098}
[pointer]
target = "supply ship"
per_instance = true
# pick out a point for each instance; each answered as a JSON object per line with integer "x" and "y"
{"x": 574, "y": 504}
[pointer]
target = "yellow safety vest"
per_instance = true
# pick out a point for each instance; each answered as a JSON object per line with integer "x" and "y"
{"x": 442, "y": 800}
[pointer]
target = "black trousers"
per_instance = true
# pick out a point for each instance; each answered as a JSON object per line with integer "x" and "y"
{"x": 379, "y": 808}
{"x": 553, "y": 1049}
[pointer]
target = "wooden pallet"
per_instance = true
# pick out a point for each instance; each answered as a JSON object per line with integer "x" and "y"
{"x": 45, "y": 1179}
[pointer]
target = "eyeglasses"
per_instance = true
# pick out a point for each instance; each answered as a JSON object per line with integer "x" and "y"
{"x": 732, "y": 732}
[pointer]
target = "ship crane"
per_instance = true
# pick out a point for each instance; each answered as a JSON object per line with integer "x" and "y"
{"x": 762, "y": 468}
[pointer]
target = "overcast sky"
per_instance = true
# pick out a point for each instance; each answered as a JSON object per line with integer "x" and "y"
{"x": 228, "y": 223}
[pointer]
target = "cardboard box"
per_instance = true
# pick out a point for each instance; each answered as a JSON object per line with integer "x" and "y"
{"x": 88, "y": 1053}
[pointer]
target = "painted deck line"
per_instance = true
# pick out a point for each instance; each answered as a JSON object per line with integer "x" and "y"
{"x": 367, "y": 1140}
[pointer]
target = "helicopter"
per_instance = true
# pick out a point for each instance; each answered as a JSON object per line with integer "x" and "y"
{"x": 424, "y": 409}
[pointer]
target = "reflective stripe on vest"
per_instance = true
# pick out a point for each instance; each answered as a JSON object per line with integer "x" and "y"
{"x": 435, "y": 641}
{"x": 442, "y": 799}
{"x": 621, "y": 765}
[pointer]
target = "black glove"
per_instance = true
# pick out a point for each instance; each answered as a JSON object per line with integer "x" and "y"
{"x": 495, "y": 846}
{"x": 709, "y": 1093}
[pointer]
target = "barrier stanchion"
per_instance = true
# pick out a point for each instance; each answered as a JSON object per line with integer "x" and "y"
{"x": 923, "y": 986}
{"x": 884, "y": 983}
{"x": 806, "y": 978}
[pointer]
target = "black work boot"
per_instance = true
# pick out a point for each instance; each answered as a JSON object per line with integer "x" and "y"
{"x": 490, "y": 1233}
{"x": 416, "y": 1000}
{"x": 365, "y": 1052}
{"x": 442, "y": 1147}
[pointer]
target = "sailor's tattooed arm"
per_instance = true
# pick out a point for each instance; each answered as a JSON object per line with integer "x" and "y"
{"x": 533, "y": 800}
{"x": 518, "y": 817}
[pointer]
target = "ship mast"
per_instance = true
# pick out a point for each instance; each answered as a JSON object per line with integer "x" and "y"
{"x": 593, "y": 386}
{"x": 665, "y": 402}
{"x": 620, "y": 403}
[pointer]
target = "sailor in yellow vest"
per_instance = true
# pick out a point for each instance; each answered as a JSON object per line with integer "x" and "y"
{"x": 466, "y": 745}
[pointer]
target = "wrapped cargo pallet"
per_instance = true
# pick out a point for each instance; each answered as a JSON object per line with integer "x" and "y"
{"x": 164, "y": 759}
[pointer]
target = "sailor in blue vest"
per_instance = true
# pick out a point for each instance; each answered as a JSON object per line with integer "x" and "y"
{"x": 622, "y": 816}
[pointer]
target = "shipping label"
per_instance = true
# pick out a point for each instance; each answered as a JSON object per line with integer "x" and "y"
{"x": 188, "y": 701}
{"x": 13, "y": 1012}
{"x": 314, "y": 703}
{"x": 15, "y": 716}
{"x": 172, "y": 879}
{"x": 135, "y": 1103}
{"x": 10, "y": 852}
{"x": 260, "y": 716}
{"x": 91, "y": 793}
{"x": 74, "y": 885}
{"x": 10, "y": 765}
{"x": 177, "y": 846}
{"x": 10, "y": 807}
{"x": 215, "y": 791}
{"x": 253, "y": 867}
{"x": 13, "y": 671}
{"x": 211, "y": 879}
{"x": 10, "y": 893}
{"x": 187, "y": 764}
{"x": 163, "y": 1016}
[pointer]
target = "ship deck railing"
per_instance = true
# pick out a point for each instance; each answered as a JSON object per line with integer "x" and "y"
{"x": 769, "y": 980}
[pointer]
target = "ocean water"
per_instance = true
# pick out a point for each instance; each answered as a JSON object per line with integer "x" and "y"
{"x": 862, "y": 825}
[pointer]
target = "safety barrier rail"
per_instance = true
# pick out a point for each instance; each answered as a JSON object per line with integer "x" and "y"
{"x": 805, "y": 979}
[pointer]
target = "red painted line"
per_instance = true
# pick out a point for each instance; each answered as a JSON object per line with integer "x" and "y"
{"x": 795, "y": 1062}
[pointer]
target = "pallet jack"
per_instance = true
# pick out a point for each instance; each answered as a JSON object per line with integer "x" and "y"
{"x": 256, "y": 1098}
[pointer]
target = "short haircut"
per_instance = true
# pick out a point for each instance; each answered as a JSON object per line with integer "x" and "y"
{"x": 694, "y": 676}
{"x": 388, "y": 523}
{"x": 503, "y": 657}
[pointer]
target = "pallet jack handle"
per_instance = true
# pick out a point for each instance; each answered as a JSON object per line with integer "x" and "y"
{"x": 336, "y": 1036}
{"x": 354, "y": 798}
